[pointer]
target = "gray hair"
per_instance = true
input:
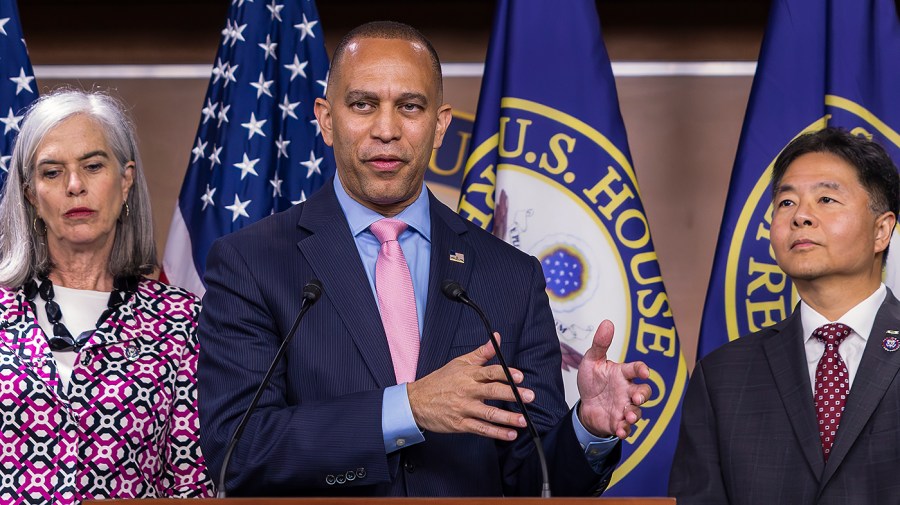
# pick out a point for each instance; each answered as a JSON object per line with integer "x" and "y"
{"x": 23, "y": 243}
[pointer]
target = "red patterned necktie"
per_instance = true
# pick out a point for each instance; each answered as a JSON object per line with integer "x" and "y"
{"x": 832, "y": 383}
{"x": 396, "y": 299}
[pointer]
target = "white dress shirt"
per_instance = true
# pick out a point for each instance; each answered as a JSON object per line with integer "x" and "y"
{"x": 860, "y": 319}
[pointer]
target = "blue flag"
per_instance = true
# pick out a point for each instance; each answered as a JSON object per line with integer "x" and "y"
{"x": 258, "y": 148}
{"x": 835, "y": 63}
{"x": 549, "y": 171}
{"x": 17, "y": 86}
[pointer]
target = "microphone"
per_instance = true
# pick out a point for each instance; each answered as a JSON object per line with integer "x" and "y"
{"x": 455, "y": 292}
{"x": 312, "y": 291}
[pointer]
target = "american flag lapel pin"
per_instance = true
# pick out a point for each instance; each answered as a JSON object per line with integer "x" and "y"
{"x": 457, "y": 257}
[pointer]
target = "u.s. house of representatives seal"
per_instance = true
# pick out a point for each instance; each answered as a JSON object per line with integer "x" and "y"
{"x": 560, "y": 190}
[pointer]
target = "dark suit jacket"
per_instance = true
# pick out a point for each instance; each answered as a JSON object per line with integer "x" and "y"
{"x": 749, "y": 432}
{"x": 317, "y": 430}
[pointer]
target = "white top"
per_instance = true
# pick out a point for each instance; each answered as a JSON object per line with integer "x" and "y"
{"x": 80, "y": 310}
{"x": 860, "y": 319}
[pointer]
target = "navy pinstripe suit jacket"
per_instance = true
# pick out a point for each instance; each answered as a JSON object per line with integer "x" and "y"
{"x": 749, "y": 432}
{"x": 317, "y": 430}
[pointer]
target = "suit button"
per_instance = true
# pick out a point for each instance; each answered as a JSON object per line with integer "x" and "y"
{"x": 329, "y": 480}
{"x": 361, "y": 473}
{"x": 351, "y": 475}
{"x": 409, "y": 466}
{"x": 340, "y": 478}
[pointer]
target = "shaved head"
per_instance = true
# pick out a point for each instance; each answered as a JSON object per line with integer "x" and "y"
{"x": 386, "y": 30}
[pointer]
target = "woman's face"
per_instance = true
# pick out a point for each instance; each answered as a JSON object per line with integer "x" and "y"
{"x": 78, "y": 187}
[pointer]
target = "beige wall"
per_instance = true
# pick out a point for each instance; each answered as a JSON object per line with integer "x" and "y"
{"x": 683, "y": 131}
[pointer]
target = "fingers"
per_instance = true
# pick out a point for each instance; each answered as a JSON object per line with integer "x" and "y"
{"x": 640, "y": 393}
{"x": 495, "y": 373}
{"x": 474, "y": 416}
{"x": 496, "y": 415}
{"x": 489, "y": 430}
{"x": 631, "y": 416}
{"x": 483, "y": 353}
{"x": 502, "y": 392}
{"x": 459, "y": 397}
{"x": 496, "y": 339}
{"x": 603, "y": 339}
{"x": 491, "y": 421}
{"x": 492, "y": 384}
{"x": 635, "y": 370}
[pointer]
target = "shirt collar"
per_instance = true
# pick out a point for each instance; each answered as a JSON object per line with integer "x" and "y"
{"x": 860, "y": 318}
{"x": 417, "y": 216}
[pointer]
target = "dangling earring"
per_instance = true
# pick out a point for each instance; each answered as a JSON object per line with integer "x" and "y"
{"x": 40, "y": 234}
{"x": 126, "y": 212}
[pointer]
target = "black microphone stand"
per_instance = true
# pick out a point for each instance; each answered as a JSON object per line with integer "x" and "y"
{"x": 312, "y": 291}
{"x": 454, "y": 291}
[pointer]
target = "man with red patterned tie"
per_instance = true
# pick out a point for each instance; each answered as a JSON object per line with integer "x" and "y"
{"x": 806, "y": 411}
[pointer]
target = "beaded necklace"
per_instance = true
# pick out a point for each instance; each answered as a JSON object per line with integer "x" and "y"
{"x": 62, "y": 339}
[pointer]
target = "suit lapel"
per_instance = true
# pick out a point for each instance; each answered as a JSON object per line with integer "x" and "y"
{"x": 442, "y": 314}
{"x": 787, "y": 360}
{"x": 876, "y": 372}
{"x": 334, "y": 258}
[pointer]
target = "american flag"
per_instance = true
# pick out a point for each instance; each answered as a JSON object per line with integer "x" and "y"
{"x": 17, "y": 88}
{"x": 258, "y": 149}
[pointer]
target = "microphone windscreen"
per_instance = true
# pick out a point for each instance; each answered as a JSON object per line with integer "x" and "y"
{"x": 452, "y": 290}
{"x": 312, "y": 290}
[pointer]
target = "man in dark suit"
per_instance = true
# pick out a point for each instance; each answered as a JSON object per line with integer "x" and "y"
{"x": 356, "y": 407}
{"x": 807, "y": 410}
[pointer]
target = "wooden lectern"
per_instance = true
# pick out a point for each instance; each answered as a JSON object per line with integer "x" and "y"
{"x": 392, "y": 501}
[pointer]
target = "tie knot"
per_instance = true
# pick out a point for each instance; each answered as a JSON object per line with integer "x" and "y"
{"x": 387, "y": 229}
{"x": 832, "y": 333}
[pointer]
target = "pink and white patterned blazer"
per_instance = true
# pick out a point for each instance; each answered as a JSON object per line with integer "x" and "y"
{"x": 127, "y": 427}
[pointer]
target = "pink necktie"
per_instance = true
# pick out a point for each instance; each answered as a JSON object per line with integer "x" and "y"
{"x": 396, "y": 299}
{"x": 832, "y": 383}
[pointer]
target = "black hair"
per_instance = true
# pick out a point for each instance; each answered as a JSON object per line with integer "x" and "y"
{"x": 874, "y": 167}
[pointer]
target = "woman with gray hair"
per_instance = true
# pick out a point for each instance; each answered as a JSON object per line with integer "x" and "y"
{"x": 97, "y": 362}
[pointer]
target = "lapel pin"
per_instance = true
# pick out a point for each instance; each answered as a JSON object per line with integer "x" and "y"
{"x": 457, "y": 257}
{"x": 891, "y": 341}
{"x": 131, "y": 352}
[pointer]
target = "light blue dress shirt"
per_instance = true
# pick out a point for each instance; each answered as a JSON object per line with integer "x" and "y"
{"x": 398, "y": 425}
{"x": 397, "y": 422}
